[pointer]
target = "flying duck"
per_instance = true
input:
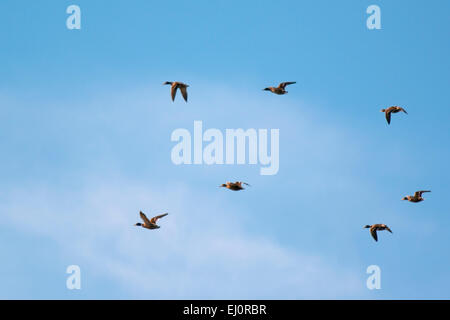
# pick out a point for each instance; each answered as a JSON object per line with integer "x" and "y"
{"x": 391, "y": 110}
{"x": 280, "y": 89}
{"x": 235, "y": 186}
{"x": 149, "y": 224}
{"x": 377, "y": 227}
{"x": 417, "y": 197}
{"x": 177, "y": 85}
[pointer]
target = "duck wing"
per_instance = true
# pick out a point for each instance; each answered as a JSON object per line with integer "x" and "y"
{"x": 173, "y": 91}
{"x": 388, "y": 116}
{"x": 419, "y": 193}
{"x": 144, "y": 217}
{"x": 154, "y": 219}
{"x": 183, "y": 90}
{"x": 373, "y": 232}
{"x": 284, "y": 84}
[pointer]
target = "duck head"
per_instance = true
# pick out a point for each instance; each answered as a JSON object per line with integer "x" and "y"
{"x": 223, "y": 185}
{"x": 138, "y": 224}
{"x": 405, "y": 198}
{"x": 167, "y": 82}
{"x": 367, "y": 226}
{"x": 383, "y": 110}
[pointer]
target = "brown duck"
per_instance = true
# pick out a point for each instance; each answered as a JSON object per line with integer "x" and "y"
{"x": 417, "y": 197}
{"x": 174, "y": 86}
{"x": 149, "y": 224}
{"x": 377, "y": 227}
{"x": 391, "y": 110}
{"x": 235, "y": 186}
{"x": 280, "y": 89}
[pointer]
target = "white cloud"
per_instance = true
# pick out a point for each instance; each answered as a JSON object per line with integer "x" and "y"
{"x": 199, "y": 252}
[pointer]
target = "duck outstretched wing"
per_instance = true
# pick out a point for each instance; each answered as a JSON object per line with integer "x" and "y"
{"x": 144, "y": 217}
{"x": 388, "y": 116}
{"x": 173, "y": 92}
{"x": 373, "y": 232}
{"x": 154, "y": 219}
{"x": 284, "y": 84}
{"x": 184, "y": 93}
{"x": 419, "y": 193}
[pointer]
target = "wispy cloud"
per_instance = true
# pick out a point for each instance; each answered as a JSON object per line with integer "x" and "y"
{"x": 200, "y": 251}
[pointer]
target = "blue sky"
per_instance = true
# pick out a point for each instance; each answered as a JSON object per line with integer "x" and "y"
{"x": 85, "y": 129}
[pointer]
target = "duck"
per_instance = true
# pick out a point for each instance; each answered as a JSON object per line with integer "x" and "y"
{"x": 417, "y": 197}
{"x": 235, "y": 186}
{"x": 175, "y": 86}
{"x": 149, "y": 224}
{"x": 391, "y": 110}
{"x": 377, "y": 227}
{"x": 280, "y": 89}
